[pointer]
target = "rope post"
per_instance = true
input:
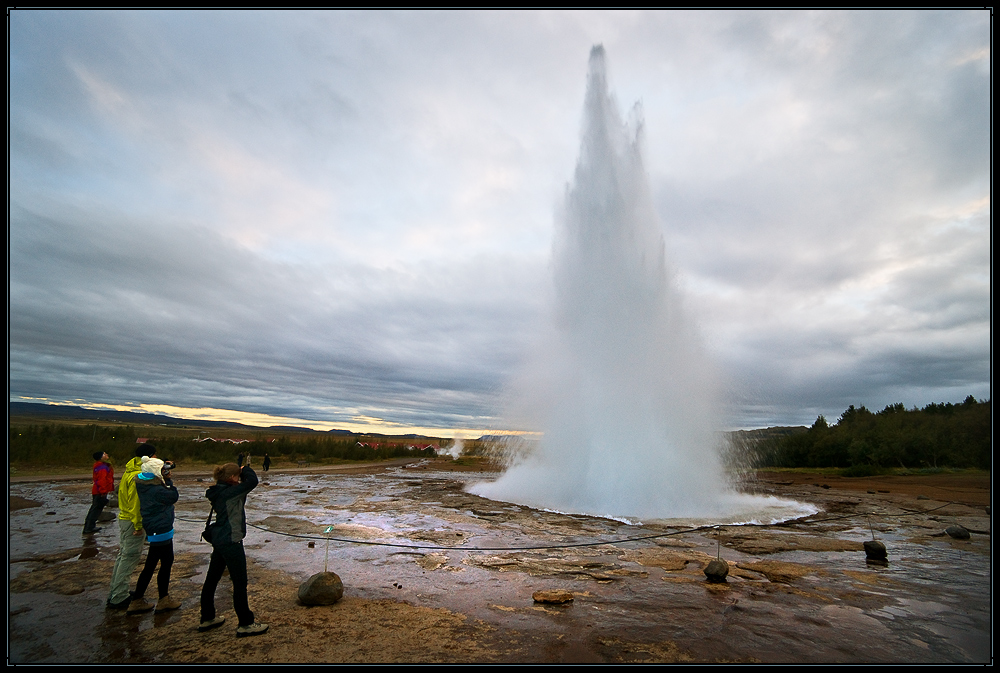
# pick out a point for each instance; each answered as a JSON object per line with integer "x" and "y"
{"x": 326, "y": 561}
{"x": 717, "y": 569}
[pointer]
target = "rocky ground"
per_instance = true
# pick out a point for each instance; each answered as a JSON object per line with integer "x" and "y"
{"x": 447, "y": 576}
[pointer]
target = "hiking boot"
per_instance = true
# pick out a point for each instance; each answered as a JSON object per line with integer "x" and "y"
{"x": 210, "y": 624}
{"x": 254, "y": 629}
{"x": 138, "y": 605}
{"x": 167, "y": 603}
{"x": 120, "y": 605}
{"x": 91, "y": 531}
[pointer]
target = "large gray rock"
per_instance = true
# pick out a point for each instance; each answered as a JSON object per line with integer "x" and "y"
{"x": 321, "y": 589}
{"x": 717, "y": 570}
{"x": 875, "y": 550}
{"x": 957, "y": 532}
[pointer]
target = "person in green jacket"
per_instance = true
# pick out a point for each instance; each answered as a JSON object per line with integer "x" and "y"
{"x": 130, "y": 533}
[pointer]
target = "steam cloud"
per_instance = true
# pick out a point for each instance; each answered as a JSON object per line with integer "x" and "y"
{"x": 620, "y": 388}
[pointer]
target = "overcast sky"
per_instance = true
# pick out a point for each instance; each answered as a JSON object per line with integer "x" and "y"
{"x": 347, "y": 219}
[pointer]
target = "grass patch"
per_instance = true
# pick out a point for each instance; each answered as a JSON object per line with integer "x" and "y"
{"x": 863, "y": 471}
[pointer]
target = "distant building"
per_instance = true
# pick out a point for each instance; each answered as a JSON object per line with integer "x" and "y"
{"x": 221, "y": 439}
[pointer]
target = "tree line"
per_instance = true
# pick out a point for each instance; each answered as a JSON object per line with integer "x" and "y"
{"x": 73, "y": 445}
{"x": 939, "y": 435}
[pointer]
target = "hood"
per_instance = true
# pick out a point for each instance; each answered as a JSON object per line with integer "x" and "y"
{"x": 213, "y": 491}
{"x": 134, "y": 466}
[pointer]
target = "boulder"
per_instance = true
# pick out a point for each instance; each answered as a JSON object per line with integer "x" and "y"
{"x": 875, "y": 550}
{"x": 957, "y": 532}
{"x": 717, "y": 570}
{"x": 321, "y": 589}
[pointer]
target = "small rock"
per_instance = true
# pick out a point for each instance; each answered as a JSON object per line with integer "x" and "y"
{"x": 555, "y": 596}
{"x": 873, "y": 491}
{"x": 922, "y": 497}
{"x": 875, "y": 551}
{"x": 957, "y": 532}
{"x": 321, "y": 589}
{"x": 717, "y": 570}
{"x": 312, "y": 544}
{"x": 825, "y": 486}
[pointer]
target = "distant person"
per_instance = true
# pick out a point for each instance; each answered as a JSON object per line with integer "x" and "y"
{"x": 157, "y": 496}
{"x": 228, "y": 497}
{"x": 267, "y": 462}
{"x": 130, "y": 532}
{"x": 104, "y": 483}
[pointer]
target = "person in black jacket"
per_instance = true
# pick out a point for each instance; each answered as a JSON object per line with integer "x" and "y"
{"x": 228, "y": 497}
{"x": 157, "y": 496}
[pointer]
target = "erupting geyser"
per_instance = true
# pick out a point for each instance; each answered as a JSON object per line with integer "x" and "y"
{"x": 621, "y": 390}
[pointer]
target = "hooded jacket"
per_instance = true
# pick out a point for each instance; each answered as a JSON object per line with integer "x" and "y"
{"x": 128, "y": 499}
{"x": 229, "y": 501}
{"x": 156, "y": 505}
{"x": 104, "y": 478}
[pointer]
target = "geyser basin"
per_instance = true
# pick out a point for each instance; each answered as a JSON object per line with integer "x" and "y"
{"x": 620, "y": 388}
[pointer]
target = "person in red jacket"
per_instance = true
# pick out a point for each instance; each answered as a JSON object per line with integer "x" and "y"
{"x": 104, "y": 483}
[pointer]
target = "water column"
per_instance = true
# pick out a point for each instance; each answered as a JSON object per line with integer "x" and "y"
{"x": 623, "y": 392}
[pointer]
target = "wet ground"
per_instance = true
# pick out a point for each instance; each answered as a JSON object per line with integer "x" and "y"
{"x": 449, "y": 577}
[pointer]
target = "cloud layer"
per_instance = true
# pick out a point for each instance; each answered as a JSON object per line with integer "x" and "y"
{"x": 349, "y": 216}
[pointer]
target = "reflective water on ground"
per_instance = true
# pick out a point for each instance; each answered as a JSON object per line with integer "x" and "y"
{"x": 795, "y": 593}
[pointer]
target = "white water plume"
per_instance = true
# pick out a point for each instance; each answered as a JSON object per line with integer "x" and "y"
{"x": 455, "y": 450}
{"x": 621, "y": 390}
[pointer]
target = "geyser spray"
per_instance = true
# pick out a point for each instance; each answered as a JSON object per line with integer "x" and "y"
{"x": 620, "y": 387}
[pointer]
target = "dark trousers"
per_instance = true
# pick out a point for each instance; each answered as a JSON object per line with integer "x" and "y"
{"x": 96, "y": 507}
{"x": 233, "y": 557}
{"x": 164, "y": 555}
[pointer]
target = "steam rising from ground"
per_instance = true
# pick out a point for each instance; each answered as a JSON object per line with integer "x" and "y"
{"x": 455, "y": 450}
{"x": 620, "y": 388}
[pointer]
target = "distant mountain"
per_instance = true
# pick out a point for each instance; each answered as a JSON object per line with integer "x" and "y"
{"x": 69, "y": 412}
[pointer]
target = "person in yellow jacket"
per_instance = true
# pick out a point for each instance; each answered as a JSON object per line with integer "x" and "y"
{"x": 130, "y": 532}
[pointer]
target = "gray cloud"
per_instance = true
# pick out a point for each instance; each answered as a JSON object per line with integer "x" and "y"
{"x": 329, "y": 215}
